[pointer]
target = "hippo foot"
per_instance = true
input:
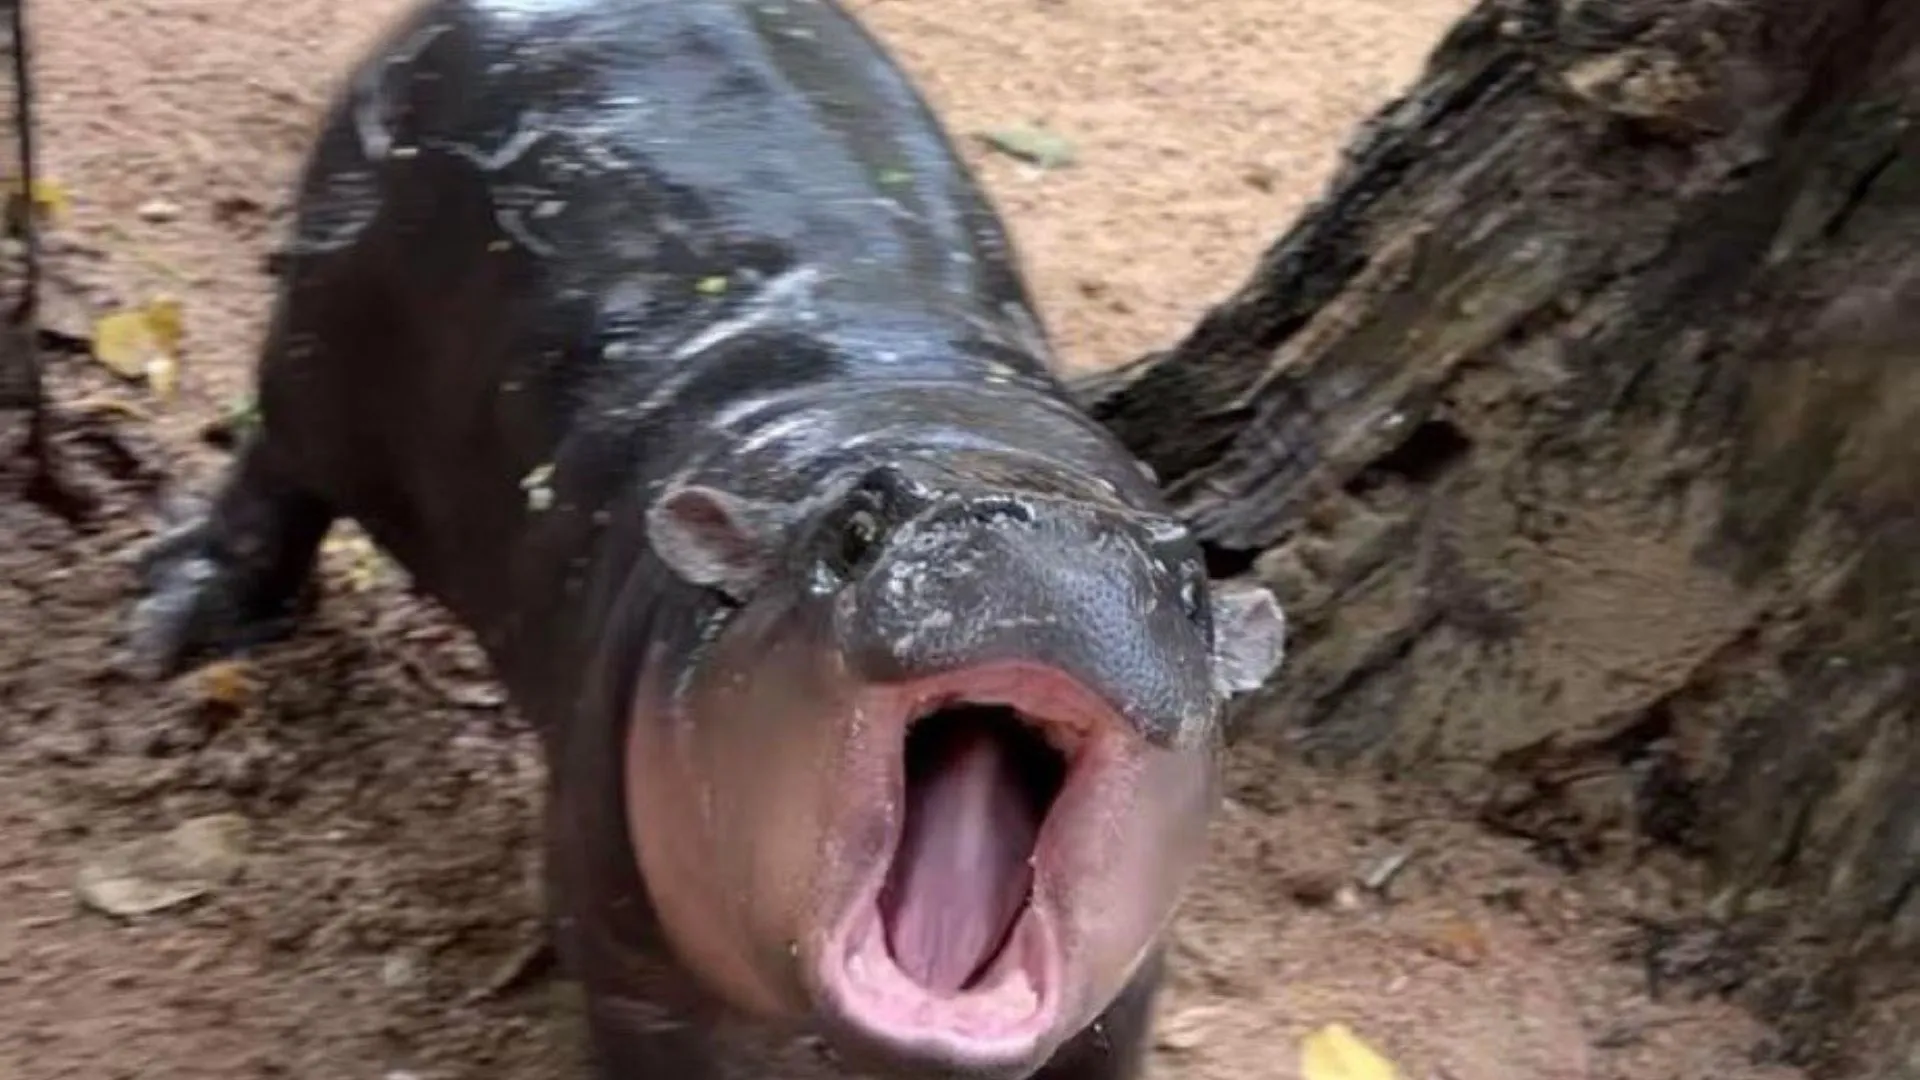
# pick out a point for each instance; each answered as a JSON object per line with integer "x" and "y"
{"x": 200, "y": 602}
{"x": 225, "y": 579}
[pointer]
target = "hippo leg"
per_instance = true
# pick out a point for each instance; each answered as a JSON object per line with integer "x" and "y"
{"x": 230, "y": 575}
{"x": 1115, "y": 1047}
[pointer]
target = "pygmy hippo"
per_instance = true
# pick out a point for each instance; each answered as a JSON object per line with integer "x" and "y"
{"x": 673, "y": 349}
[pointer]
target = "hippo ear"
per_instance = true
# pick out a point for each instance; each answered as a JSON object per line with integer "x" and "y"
{"x": 1249, "y": 636}
{"x": 714, "y": 539}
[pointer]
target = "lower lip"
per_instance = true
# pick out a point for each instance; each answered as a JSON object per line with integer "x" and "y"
{"x": 1010, "y": 1004}
{"x": 1015, "y": 1008}
{"x": 1007, "y": 1014}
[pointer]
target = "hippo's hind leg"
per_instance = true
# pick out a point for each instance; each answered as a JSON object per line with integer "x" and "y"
{"x": 233, "y": 574}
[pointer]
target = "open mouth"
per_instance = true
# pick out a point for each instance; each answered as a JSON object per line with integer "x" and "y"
{"x": 979, "y": 782}
{"x": 954, "y": 948}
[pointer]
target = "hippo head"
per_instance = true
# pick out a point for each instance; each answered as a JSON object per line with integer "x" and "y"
{"x": 940, "y": 772}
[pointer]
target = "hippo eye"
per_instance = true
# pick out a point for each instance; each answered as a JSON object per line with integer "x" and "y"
{"x": 858, "y": 536}
{"x": 1190, "y": 599}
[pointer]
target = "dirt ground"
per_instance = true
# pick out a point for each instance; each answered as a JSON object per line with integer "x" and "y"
{"x": 390, "y": 799}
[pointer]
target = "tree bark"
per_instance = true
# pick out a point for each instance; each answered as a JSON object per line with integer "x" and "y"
{"x": 30, "y": 456}
{"x": 20, "y": 382}
{"x": 1578, "y": 427}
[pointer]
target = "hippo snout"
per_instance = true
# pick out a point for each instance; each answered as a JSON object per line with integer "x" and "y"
{"x": 1067, "y": 589}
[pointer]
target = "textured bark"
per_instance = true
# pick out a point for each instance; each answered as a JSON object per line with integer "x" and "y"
{"x": 20, "y": 382}
{"x": 1578, "y": 426}
{"x": 30, "y": 454}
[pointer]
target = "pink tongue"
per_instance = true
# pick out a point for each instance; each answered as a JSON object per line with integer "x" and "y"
{"x": 962, "y": 872}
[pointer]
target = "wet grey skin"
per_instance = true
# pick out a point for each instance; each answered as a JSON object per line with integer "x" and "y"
{"x": 671, "y": 347}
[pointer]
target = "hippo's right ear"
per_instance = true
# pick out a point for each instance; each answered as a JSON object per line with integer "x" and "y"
{"x": 714, "y": 539}
{"x": 1249, "y": 636}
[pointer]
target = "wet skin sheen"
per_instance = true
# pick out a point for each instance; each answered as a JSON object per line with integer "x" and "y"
{"x": 670, "y": 347}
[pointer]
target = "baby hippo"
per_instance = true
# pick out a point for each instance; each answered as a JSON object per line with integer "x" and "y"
{"x": 673, "y": 349}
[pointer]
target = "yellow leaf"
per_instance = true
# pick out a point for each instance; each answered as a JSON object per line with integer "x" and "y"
{"x": 50, "y": 198}
{"x": 164, "y": 316}
{"x": 142, "y": 343}
{"x": 363, "y": 559}
{"x": 1335, "y": 1053}
{"x": 121, "y": 341}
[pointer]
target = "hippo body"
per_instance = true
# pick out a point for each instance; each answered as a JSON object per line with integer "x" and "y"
{"x": 672, "y": 348}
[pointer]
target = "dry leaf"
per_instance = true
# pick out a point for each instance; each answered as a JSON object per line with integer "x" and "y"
{"x": 1031, "y": 144}
{"x": 142, "y": 343}
{"x": 1335, "y": 1053}
{"x": 364, "y": 562}
{"x": 158, "y": 211}
{"x": 160, "y": 872}
{"x": 226, "y": 683}
{"x": 100, "y": 405}
{"x": 1189, "y": 1029}
{"x": 1458, "y": 940}
{"x": 49, "y": 197}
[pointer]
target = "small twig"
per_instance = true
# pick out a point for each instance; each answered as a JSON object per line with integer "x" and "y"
{"x": 1383, "y": 873}
{"x": 532, "y": 960}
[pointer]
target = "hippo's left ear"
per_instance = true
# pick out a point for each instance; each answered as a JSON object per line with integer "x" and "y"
{"x": 713, "y": 538}
{"x": 1249, "y": 636}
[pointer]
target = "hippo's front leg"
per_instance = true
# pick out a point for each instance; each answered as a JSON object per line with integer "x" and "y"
{"x": 624, "y": 1048}
{"x": 1115, "y": 1047}
{"x": 230, "y": 575}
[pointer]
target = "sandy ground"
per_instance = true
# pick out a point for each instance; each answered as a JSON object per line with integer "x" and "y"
{"x": 389, "y": 799}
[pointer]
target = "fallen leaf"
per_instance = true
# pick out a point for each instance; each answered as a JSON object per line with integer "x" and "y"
{"x": 231, "y": 427}
{"x": 226, "y": 683}
{"x": 142, "y": 343}
{"x": 158, "y": 211}
{"x": 1031, "y": 144}
{"x": 156, "y": 873}
{"x": 1458, "y": 940}
{"x": 1335, "y": 1053}
{"x": 102, "y": 405}
{"x": 364, "y": 562}
{"x": 1189, "y": 1029}
{"x": 48, "y": 196}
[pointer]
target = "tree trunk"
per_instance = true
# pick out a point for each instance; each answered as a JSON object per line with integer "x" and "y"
{"x": 30, "y": 457}
{"x": 1578, "y": 427}
{"x": 20, "y": 383}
